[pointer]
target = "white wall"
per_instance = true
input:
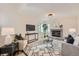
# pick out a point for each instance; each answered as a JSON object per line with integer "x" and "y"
{"x": 78, "y": 24}
{"x": 19, "y": 23}
{"x": 10, "y": 15}
{"x": 68, "y": 22}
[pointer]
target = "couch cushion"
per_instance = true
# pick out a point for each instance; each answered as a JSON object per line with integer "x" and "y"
{"x": 2, "y": 40}
{"x": 69, "y": 50}
{"x": 76, "y": 41}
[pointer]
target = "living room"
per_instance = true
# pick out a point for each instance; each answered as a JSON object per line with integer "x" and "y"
{"x": 62, "y": 18}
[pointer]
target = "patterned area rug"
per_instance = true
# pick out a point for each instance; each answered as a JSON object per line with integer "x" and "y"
{"x": 42, "y": 50}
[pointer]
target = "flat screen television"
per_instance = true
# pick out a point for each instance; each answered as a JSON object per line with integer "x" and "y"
{"x": 30, "y": 27}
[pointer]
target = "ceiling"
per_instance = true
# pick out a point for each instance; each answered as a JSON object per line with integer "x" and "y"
{"x": 40, "y": 9}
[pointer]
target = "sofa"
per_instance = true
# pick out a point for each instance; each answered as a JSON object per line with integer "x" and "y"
{"x": 2, "y": 40}
{"x": 22, "y": 43}
{"x": 69, "y": 50}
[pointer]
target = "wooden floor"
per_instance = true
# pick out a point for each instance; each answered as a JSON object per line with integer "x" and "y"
{"x": 21, "y": 52}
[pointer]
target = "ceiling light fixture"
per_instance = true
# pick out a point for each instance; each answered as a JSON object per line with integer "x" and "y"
{"x": 51, "y": 14}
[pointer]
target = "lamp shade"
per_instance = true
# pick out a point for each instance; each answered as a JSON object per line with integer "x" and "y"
{"x": 7, "y": 30}
{"x": 72, "y": 31}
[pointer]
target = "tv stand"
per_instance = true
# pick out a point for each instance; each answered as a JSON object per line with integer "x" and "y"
{"x": 32, "y": 40}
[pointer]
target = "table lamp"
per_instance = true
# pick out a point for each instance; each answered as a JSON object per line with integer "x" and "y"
{"x": 72, "y": 31}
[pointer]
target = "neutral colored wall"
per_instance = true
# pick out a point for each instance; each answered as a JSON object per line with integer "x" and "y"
{"x": 68, "y": 22}
{"x": 10, "y": 15}
{"x": 19, "y": 23}
{"x": 78, "y": 24}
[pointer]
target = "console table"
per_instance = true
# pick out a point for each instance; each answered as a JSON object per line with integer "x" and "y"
{"x": 32, "y": 40}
